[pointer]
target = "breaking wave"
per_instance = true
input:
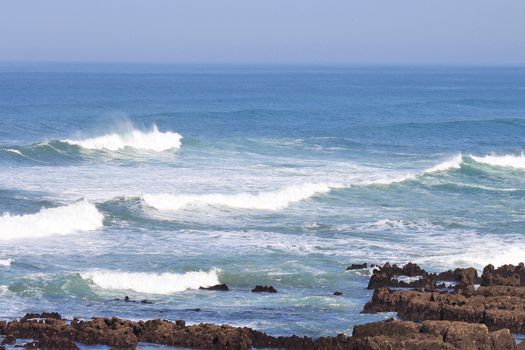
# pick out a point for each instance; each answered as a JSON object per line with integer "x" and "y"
{"x": 152, "y": 283}
{"x": 76, "y": 217}
{"x": 453, "y": 163}
{"x": 12, "y": 150}
{"x": 153, "y": 140}
{"x": 6, "y": 262}
{"x": 511, "y": 161}
{"x": 272, "y": 200}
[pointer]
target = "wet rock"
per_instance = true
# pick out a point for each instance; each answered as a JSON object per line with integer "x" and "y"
{"x": 110, "y": 331}
{"x": 123, "y": 334}
{"x": 37, "y": 328}
{"x": 357, "y": 267}
{"x": 145, "y": 301}
{"x": 30, "y": 345}
{"x": 461, "y": 277}
{"x": 9, "y": 340}
{"x": 338, "y": 293}
{"x": 53, "y": 315}
{"x": 202, "y": 336}
{"x": 126, "y": 300}
{"x": 57, "y": 342}
{"x": 220, "y": 287}
{"x": 408, "y": 276}
{"x": 264, "y": 289}
{"x": 497, "y": 307}
{"x": 506, "y": 275}
{"x": 429, "y": 335}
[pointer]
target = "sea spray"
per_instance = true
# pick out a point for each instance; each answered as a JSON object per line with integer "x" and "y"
{"x": 153, "y": 140}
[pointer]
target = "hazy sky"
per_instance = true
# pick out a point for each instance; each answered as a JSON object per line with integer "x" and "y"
{"x": 265, "y": 31}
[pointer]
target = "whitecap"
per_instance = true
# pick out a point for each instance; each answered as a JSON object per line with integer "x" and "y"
{"x": 453, "y": 163}
{"x": 152, "y": 283}
{"x": 12, "y": 150}
{"x": 511, "y": 161}
{"x": 153, "y": 140}
{"x": 6, "y": 262}
{"x": 271, "y": 200}
{"x": 76, "y": 217}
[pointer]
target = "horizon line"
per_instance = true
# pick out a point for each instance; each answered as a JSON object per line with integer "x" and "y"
{"x": 269, "y": 63}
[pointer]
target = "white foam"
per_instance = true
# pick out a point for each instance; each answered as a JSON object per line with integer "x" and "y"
{"x": 76, "y": 217}
{"x": 511, "y": 161}
{"x": 152, "y": 283}
{"x": 272, "y": 200}
{"x": 398, "y": 224}
{"x": 389, "y": 180}
{"x": 494, "y": 253}
{"x": 407, "y": 279}
{"x": 153, "y": 140}
{"x": 12, "y": 150}
{"x": 453, "y": 163}
{"x": 6, "y": 262}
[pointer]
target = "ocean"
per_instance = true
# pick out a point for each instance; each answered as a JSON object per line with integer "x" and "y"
{"x": 153, "y": 180}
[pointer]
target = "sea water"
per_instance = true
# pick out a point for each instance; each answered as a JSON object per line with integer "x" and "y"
{"x": 154, "y": 180}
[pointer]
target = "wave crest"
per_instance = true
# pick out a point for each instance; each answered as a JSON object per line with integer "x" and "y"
{"x": 153, "y": 140}
{"x": 152, "y": 283}
{"x": 6, "y": 262}
{"x": 510, "y": 161}
{"x": 76, "y": 217}
{"x": 272, "y": 200}
{"x": 453, "y": 163}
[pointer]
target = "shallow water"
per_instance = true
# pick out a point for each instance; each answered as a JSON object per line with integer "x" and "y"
{"x": 151, "y": 181}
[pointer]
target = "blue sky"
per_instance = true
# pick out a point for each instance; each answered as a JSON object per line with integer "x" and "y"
{"x": 265, "y": 31}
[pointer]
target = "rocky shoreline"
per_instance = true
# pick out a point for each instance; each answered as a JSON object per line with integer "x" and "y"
{"x": 450, "y": 310}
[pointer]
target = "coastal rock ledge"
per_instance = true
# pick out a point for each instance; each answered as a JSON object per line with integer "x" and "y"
{"x": 499, "y": 303}
{"x": 55, "y": 333}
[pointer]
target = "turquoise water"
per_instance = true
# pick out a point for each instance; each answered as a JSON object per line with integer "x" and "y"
{"x": 151, "y": 181}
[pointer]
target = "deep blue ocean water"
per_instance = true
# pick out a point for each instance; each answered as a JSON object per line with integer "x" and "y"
{"x": 151, "y": 180}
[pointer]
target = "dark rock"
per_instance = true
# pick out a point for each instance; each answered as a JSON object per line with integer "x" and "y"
{"x": 338, "y": 293}
{"x": 57, "y": 342}
{"x": 126, "y": 300}
{"x": 357, "y": 267}
{"x": 145, "y": 301}
{"x": 462, "y": 277}
{"x": 264, "y": 289}
{"x": 9, "y": 340}
{"x": 429, "y": 335}
{"x": 109, "y": 331}
{"x": 53, "y": 315}
{"x": 220, "y": 287}
{"x": 123, "y": 334}
{"x": 30, "y": 345}
{"x": 389, "y": 276}
{"x": 497, "y": 307}
{"x": 506, "y": 275}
